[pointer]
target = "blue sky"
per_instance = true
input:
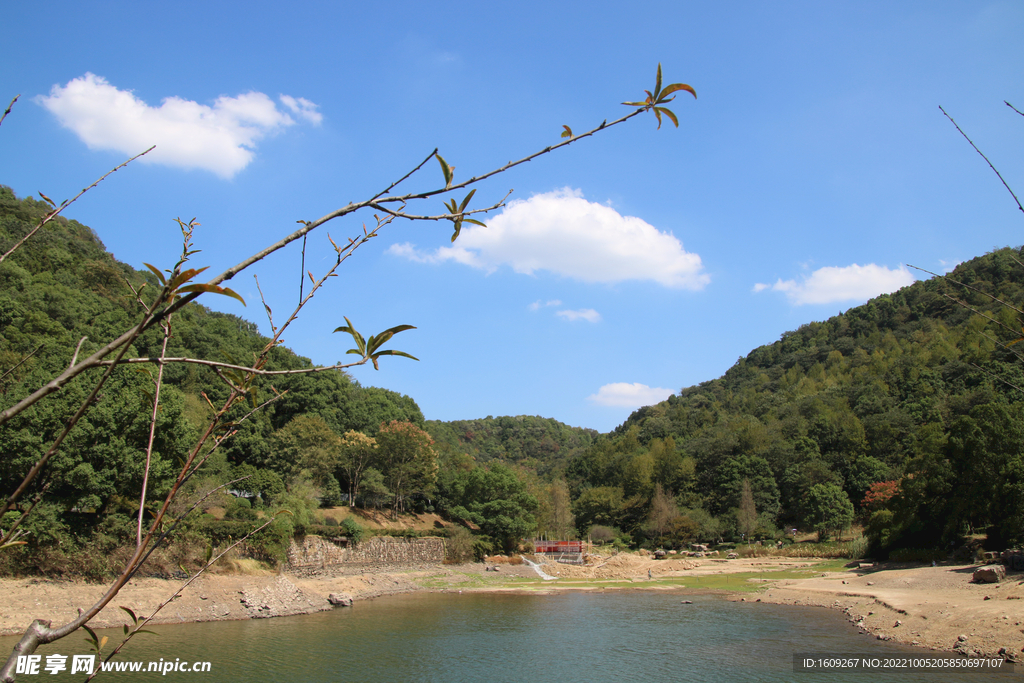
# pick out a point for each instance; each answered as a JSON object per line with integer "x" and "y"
{"x": 814, "y": 164}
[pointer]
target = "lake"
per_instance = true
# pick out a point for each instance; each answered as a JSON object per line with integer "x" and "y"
{"x": 496, "y": 637}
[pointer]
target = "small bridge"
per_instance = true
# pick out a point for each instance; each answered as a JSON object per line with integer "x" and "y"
{"x": 566, "y": 552}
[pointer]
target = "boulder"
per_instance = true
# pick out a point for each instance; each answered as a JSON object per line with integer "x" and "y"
{"x": 340, "y": 599}
{"x": 993, "y": 573}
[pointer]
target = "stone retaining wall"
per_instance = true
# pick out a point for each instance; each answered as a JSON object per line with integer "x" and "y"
{"x": 318, "y": 556}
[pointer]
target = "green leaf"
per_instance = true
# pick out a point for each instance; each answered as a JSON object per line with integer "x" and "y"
{"x": 458, "y": 229}
{"x": 392, "y": 352}
{"x": 668, "y": 113}
{"x": 213, "y": 289}
{"x": 48, "y": 200}
{"x": 445, "y": 169}
{"x": 635, "y": 104}
{"x": 657, "y": 83}
{"x": 567, "y": 133}
{"x": 360, "y": 342}
{"x": 474, "y": 222}
{"x": 657, "y": 114}
{"x": 156, "y": 271}
{"x": 465, "y": 202}
{"x": 184, "y": 276}
{"x": 676, "y": 87}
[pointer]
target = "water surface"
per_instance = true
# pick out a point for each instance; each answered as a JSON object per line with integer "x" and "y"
{"x": 577, "y": 636}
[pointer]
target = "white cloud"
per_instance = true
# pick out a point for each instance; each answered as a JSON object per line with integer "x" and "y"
{"x": 563, "y": 233}
{"x": 588, "y": 314}
{"x": 300, "y": 106}
{"x": 626, "y": 395}
{"x": 219, "y": 138}
{"x": 851, "y": 283}
{"x": 537, "y": 305}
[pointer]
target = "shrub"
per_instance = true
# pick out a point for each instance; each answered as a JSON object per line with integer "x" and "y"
{"x": 353, "y": 530}
{"x": 458, "y": 545}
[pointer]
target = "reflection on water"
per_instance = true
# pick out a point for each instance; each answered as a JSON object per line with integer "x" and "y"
{"x": 593, "y": 637}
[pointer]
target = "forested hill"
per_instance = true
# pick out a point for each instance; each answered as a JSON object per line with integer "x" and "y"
{"x": 538, "y": 443}
{"x": 910, "y": 389}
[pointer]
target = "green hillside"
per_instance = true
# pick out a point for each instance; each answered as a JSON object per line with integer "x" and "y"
{"x": 910, "y": 388}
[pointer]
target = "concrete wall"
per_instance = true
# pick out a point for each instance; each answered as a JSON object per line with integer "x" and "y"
{"x": 317, "y": 556}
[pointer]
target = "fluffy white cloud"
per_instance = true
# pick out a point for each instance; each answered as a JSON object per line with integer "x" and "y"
{"x": 588, "y": 314}
{"x": 563, "y": 233}
{"x": 219, "y": 138}
{"x": 626, "y": 395}
{"x": 851, "y": 283}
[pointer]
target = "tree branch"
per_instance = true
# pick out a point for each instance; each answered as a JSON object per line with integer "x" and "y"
{"x": 998, "y": 174}
{"x": 67, "y": 202}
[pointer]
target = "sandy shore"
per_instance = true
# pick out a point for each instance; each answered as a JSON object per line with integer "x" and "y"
{"x": 930, "y": 607}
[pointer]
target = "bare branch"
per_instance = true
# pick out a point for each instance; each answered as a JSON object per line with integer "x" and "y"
{"x": 1013, "y": 108}
{"x": 355, "y": 206}
{"x": 998, "y": 174}
{"x": 68, "y": 202}
{"x": 406, "y": 176}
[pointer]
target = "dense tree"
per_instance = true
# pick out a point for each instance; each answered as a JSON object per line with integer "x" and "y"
{"x": 407, "y": 460}
{"x": 830, "y": 510}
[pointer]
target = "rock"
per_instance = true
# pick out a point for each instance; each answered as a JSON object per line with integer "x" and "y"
{"x": 987, "y": 598}
{"x": 340, "y": 599}
{"x": 990, "y": 574}
{"x": 687, "y": 602}
{"x": 961, "y": 638}
{"x": 733, "y": 556}
{"x": 871, "y": 583}
{"x": 898, "y": 623}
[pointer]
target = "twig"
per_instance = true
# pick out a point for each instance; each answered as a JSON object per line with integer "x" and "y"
{"x": 21, "y": 361}
{"x": 182, "y": 587}
{"x": 998, "y": 174}
{"x": 403, "y": 178}
{"x": 302, "y": 268}
{"x": 973, "y": 289}
{"x": 68, "y": 202}
{"x": 78, "y": 348}
{"x": 995, "y": 376}
{"x": 11, "y": 106}
{"x": 270, "y": 314}
{"x": 1013, "y": 108}
{"x": 152, "y": 428}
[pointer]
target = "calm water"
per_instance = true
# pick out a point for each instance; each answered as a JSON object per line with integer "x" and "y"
{"x": 591, "y": 637}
